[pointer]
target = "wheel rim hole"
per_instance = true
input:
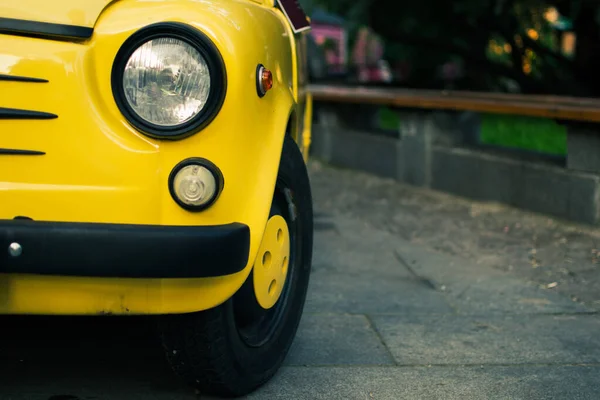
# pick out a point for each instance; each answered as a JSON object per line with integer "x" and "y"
{"x": 272, "y": 287}
{"x": 284, "y": 264}
{"x": 279, "y": 236}
{"x": 266, "y": 261}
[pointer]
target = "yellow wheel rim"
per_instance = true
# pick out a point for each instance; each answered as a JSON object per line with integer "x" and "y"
{"x": 271, "y": 264}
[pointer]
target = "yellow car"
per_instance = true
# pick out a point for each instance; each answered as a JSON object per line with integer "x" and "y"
{"x": 152, "y": 162}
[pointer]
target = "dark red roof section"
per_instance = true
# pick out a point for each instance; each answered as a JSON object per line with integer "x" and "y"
{"x": 295, "y": 14}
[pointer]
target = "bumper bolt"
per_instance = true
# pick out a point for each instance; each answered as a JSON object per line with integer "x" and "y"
{"x": 15, "y": 249}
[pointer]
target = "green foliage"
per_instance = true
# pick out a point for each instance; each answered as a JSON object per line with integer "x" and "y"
{"x": 528, "y": 133}
{"x": 388, "y": 119}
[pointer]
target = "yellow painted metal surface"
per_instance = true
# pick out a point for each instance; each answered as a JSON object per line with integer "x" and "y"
{"x": 303, "y": 116}
{"x": 307, "y": 129}
{"x": 98, "y": 168}
{"x": 268, "y": 3}
{"x": 271, "y": 265}
{"x": 68, "y": 12}
{"x": 54, "y": 295}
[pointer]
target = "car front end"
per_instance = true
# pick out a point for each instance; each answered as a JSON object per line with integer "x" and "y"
{"x": 139, "y": 150}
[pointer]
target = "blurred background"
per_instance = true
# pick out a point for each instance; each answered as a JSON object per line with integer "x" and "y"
{"x": 542, "y": 47}
{"x": 524, "y": 46}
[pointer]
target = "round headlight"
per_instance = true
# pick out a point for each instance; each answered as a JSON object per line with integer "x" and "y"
{"x": 166, "y": 81}
{"x": 195, "y": 184}
{"x": 169, "y": 80}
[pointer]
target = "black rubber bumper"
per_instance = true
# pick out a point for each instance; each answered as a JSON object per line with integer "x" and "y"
{"x": 123, "y": 251}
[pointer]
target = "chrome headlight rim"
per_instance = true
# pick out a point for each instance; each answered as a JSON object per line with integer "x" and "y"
{"x": 216, "y": 67}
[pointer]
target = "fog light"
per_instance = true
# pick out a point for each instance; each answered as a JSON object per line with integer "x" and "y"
{"x": 195, "y": 184}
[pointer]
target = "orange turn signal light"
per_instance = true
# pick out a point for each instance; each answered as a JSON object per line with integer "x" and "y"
{"x": 264, "y": 80}
{"x": 267, "y": 80}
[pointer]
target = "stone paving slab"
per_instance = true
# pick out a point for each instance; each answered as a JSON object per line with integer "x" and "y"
{"x": 345, "y": 383}
{"x": 502, "y": 295}
{"x": 338, "y": 339}
{"x": 525, "y": 244}
{"x": 372, "y": 294}
{"x": 475, "y": 289}
{"x": 517, "y": 339}
{"x": 437, "y": 383}
{"x": 353, "y": 252}
{"x": 468, "y": 287}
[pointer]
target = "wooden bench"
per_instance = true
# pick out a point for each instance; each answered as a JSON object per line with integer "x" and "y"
{"x": 555, "y": 107}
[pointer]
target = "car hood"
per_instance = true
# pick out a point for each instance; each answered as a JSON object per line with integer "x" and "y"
{"x": 65, "y": 12}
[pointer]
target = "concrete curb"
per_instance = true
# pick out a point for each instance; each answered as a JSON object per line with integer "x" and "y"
{"x": 415, "y": 159}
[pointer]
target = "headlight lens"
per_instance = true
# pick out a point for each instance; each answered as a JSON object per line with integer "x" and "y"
{"x": 166, "y": 82}
{"x": 169, "y": 80}
{"x": 195, "y": 184}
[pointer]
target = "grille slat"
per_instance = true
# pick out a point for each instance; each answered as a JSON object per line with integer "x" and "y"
{"x": 18, "y": 152}
{"x": 14, "y": 113}
{"x": 45, "y": 30}
{"x": 14, "y": 78}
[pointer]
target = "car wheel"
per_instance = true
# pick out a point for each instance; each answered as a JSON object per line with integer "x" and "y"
{"x": 233, "y": 349}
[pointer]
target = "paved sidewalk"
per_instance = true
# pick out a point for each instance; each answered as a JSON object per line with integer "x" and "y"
{"x": 540, "y": 249}
{"x": 387, "y": 318}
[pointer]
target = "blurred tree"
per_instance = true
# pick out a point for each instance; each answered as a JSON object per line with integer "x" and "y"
{"x": 496, "y": 41}
{"x": 585, "y": 15}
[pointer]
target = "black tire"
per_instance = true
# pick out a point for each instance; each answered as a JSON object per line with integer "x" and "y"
{"x": 209, "y": 349}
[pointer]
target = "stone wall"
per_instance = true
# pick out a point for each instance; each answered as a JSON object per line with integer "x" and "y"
{"x": 440, "y": 150}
